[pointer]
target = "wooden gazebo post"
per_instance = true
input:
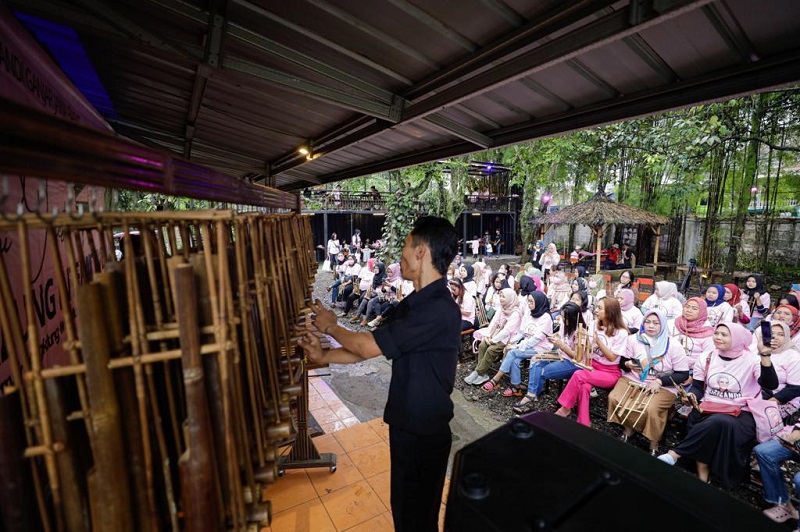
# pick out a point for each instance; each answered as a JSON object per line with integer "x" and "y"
{"x": 657, "y": 230}
{"x": 598, "y": 231}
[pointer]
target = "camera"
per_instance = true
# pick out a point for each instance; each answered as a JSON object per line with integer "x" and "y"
{"x": 692, "y": 262}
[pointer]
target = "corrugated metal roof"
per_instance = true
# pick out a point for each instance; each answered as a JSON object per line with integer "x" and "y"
{"x": 241, "y": 85}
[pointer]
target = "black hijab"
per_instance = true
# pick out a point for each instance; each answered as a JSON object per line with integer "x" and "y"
{"x": 542, "y": 304}
{"x": 526, "y": 285}
{"x": 380, "y": 276}
{"x": 470, "y": 273}
{"x": 759, "y": 289}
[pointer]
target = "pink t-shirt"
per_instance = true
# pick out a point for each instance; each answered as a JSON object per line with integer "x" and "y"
{"x": 674, "y": 360}
{"x": 787, "y": 366}
{"x": 722, "y": 313}
{"x": 534, "y": 332}
{"x": 692, "y": 347}
{"x": 632, "y": 317}
{"x": 730, "y": 382}
{"x": 617, "y": 344}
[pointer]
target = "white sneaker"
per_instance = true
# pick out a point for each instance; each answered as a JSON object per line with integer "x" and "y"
{"x": 593, "y": 393}
{"x": 481, "y": 379}
{"x": 667, "y": 459}
{"x": 373, "y": 323}
{"x": 470, "y": 379}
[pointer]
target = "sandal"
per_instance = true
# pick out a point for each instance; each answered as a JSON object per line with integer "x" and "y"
{"x": 525, "y": 408}
{"x": 514, "y": 391}
{"x": 490, "y": 385}
{"x": 781, "y": 513}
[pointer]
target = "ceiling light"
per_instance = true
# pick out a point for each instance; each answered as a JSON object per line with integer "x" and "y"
{"x": 304, "y": 151}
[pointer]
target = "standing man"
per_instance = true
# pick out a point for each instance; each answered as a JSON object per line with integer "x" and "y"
{"x": 498, "y": 241}
{"x": 422, "y": 339}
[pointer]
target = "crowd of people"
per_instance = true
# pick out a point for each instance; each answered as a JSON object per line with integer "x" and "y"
{"x": 706, "y": 354}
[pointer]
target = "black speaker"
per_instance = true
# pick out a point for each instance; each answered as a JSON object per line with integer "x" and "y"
{"x": 544, "y": 472}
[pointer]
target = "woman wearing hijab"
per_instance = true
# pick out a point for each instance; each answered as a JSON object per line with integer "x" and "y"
{"x": 665, "y": 299}
{"x": 691, "y": 330}
{"x": 719, "y": 311}
{"x": 789, "y": 299}
{"x": 363, "y": 284}
{"x": 757, "y": 298}
{"x": 631, "y": 315}
{"x": 378, "y": 278}
{"x": 741, "y": 313}
{"x": 610, "y": 340}
{"x": 788, "y": 315}
{"x": 550, "y": 260}
{"x": 786, "y": 359}
{"x": 558, "y": 290}
{"x": 725, "y": 378}
{"x": 504, "y": 326}
{"x": 771, "y": 454}
{"x": 543, "y": 370}
{"x": 467, "y": 275}
{"x": 479, "y": 278}
{"x": 656, "y": 365}
{"x": 537, "y": 326}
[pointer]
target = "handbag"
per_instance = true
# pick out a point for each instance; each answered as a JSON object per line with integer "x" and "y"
{"x": 708, "y": 407}
{"x": 767, "y": 415}
{"x": 326, "y": 265}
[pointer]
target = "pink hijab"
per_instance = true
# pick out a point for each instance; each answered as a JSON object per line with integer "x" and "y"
{"x": 696, "y": 328}
{"x": 394, "y": 272}
{"x": 740, "y": 340}
{"x": 509, "y": 300}
{"x": 627, "y": 299}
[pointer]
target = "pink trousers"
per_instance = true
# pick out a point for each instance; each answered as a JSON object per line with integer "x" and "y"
{"x": 580, "y": 385}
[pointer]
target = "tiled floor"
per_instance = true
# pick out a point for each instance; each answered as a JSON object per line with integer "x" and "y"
{"x": 356, "y": 496}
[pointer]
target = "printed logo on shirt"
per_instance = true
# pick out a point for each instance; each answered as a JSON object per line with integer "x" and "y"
{"x": 724, "y": 385}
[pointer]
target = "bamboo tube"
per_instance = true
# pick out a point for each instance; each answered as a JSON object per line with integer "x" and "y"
{"x": 76, "y": 511}
{"x": 38, "y": 385}
{"x": 111, "y": 503}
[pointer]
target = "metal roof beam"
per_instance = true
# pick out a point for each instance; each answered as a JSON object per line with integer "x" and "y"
{"x": 434, "y": 24}
{"x": 762, "y": 75}
{"x": 315, "y": 37}
{"x": 214, "y": 35}
{"x": 611, "y": 28}
{"x": 462, "y": 132}
{"x": 307, "y": 88}
{"x": 504, "y": 11}
{"x": 379, "y": 35}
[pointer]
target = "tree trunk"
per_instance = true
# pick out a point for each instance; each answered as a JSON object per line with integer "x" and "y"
{"x": 749, "y": 174}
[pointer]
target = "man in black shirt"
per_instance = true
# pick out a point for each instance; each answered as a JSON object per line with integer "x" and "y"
{"x": 422, "y": 339}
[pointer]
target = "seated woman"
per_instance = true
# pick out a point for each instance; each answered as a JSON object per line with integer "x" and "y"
{"x": 725, "y": 378}
{"x": 582, "y": 300}
{"x": 493, "y": 339}
{"x": 361, "y": 286}
{"x": 610, "y": 341}
{"x": 786, "y": 314}
{"x": 790, "y": 300}
{"x": 665, "y": 299}
{"x": 467, "y": 274}
{"x": 757, "y": 298}
{"x": 542, "y": 370}
{"x": 741, "y": 313}
{"x": 719, "y": 311}
{"x": 657, "y": 364}
{"x": 466, "y": 303}
{"x": 491, "y": 300}
{"x": 537, "y": 326}
{"x": 626, "y": 279}
{"x": 631, "y": 315}
{"x": 786, "y": 359}
{"x": 691, "y": 330}
{"x": 372, "y": 293}
{"x": 558, "y": 290}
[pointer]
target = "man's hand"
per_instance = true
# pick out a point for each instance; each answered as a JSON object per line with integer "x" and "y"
{"x": 310, "y": 344}
{"x": 324, "y": 318}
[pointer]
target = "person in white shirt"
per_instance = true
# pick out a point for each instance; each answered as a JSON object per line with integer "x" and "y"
{"x": 333, "y": 249}
{"x": 664, "y": 299}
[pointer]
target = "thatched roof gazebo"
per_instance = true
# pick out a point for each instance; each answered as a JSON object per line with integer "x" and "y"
{"x": 599, "y": 212}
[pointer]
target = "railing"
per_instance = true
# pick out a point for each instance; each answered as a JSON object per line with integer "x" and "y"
{"x": 321, "y": 200}
{"x": 479, "y": 203}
